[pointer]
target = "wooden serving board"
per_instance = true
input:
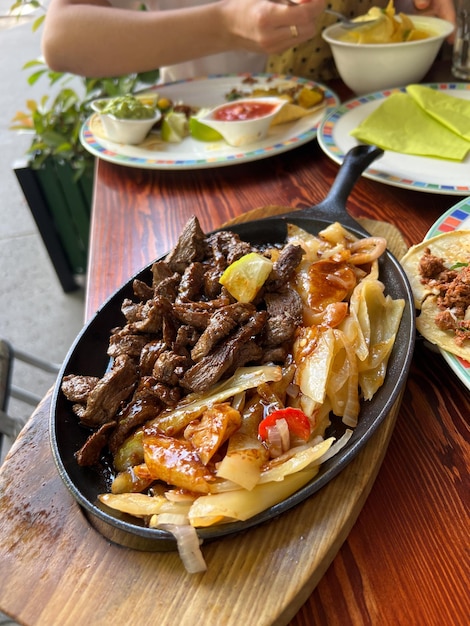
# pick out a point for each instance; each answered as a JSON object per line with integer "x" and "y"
{"x": 56, "y": 569}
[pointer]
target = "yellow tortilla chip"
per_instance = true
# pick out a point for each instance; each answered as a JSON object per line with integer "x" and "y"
{"x": 96, "y": 126}
{"x": 293, "y": 112}
{"x": 301, "y": 101}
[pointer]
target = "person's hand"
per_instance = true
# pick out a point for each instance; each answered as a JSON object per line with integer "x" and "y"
{"x": 270, "y": 27}
{"x": 445, "y": 9}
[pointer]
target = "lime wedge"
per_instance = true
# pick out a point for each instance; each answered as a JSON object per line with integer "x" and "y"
{"x": 245, "y": 277}
{"x": 148, "y": 98}
{"x": 174, "y": 127}
{"x": 202, "y": 132}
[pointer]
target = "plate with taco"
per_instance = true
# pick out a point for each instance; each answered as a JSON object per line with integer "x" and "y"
{"x": 438, "y": 269}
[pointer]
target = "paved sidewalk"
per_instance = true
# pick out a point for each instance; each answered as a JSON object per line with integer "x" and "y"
{"x": 36, "y": 316}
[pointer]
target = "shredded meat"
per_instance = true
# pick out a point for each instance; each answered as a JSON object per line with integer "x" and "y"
{"x": 430, "y": 266}
{"x": 452, "y": 287}
{"x": 457, "y": 293}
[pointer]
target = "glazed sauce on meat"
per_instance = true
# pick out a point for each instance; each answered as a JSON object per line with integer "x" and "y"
{"x": 242, "y": 111}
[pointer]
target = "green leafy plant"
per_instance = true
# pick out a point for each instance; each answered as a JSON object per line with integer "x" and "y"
{"x": 55, "y": 121}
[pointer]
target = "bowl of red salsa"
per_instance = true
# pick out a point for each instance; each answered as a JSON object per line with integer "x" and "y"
{"x": 244, "y": 121}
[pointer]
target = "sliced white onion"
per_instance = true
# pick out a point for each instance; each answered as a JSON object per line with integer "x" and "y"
{"x": 292, "y": 390}
{"x": 189, "y": 548}
{"x": 367, "y": 250}
{"x": 238, "y": 401}
{"x": 278, "y": 438}
{"x": 336, "y": 447}
{"x": 221, "y": 486}
{"x": 175, "y": 495}
{"x": 273, "y": 439}
{"x": 177, "y": 519}
{"x": 283, "y": 427}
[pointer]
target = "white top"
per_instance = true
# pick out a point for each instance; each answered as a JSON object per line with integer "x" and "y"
{"x": 223, "y": 63}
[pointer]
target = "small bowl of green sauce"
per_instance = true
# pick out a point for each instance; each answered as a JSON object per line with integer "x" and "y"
{"x": 126, "y": 119}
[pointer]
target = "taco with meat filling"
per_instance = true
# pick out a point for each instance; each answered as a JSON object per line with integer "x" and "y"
{"x": 439, "y": 273}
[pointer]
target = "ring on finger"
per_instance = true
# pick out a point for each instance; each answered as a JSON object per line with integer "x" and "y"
{"x": 293, "y": 31}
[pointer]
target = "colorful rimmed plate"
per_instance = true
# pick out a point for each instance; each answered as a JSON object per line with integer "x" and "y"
{"x": 456, "y": 218}
{"x": 193, "y": 154}
{"x": 400, "y": 170}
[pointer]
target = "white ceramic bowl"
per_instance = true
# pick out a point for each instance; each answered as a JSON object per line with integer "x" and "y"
{"x": 243, "y": 132}
{"x": 128, "y": 131}
{"x": 366, "y": 68}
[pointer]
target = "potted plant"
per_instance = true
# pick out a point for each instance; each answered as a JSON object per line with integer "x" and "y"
{"x": 56, "y": 174}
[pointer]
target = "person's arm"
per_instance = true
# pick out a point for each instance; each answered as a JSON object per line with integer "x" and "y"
{"x": 91, "y": 38}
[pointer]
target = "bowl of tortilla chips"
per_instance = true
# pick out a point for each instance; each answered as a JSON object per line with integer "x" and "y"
{"x": 392, "y": 51}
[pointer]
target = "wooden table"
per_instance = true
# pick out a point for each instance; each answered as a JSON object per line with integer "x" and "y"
{"x": 403, "y": 559}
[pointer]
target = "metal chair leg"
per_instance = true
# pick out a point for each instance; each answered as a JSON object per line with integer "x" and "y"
{"x": 11, "y": 426}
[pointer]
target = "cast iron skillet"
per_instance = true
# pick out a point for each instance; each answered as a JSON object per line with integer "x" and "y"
{"x": 88, "y": 356}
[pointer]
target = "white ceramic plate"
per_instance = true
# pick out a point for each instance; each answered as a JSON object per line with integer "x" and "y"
{"x": 401, "y": 170}
{"x": 192, "y": 154}
{"x": 456, "y": 218}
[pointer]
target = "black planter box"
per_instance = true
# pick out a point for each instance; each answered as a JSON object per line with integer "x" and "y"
{"x": 61, "y": 207}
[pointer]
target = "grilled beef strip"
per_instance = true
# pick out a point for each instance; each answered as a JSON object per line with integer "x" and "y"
{"x": 221, "y": 324}
{"x": 90, "y": 453}
{"x": 169, "y": 366}
{"x": 192, "y": 283}
{"x": 168, "y": 288}
{"x": 149, "y": 354}
{"x": 142, "y": 291}
{"x": 189, "y": 248}
{"x": 186, "y": 338}
{"x": 77, "y": 388}
{"x": 284, "y": 315}
{"x": 284, "y": 268}
{"x": 226, "y": 247}
{"x": 210, "y": 369}
{"x": 122, "y": 341}
{"x": 147, "y": 402}
{"x": 160, "y": 271}
{"x": 114, "y": 388}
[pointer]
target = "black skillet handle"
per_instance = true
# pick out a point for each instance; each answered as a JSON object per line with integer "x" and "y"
{"x": 333, "y": 207}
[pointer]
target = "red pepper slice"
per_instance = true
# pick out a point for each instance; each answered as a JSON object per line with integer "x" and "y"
{"x": 296, "y": 420}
